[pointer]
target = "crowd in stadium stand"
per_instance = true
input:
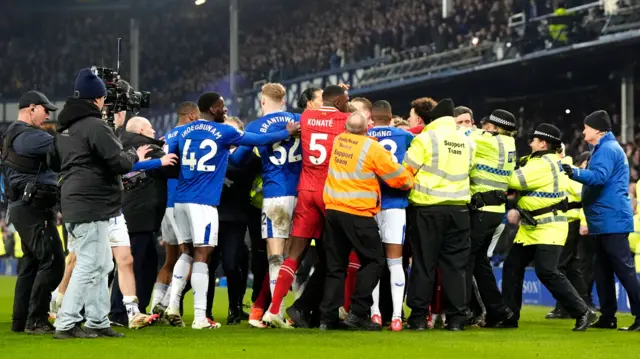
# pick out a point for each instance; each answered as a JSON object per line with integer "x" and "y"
{"x": 185, "y": 48}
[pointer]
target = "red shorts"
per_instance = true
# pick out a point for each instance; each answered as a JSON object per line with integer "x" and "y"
{"x": 308, "y": 217}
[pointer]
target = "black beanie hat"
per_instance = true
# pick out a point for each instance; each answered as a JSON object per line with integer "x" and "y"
{"x": 503, "y": 119}
{"x": 549, "y": 133}
{"x": 442, "y": 109}
{"x": 599, "y": 120}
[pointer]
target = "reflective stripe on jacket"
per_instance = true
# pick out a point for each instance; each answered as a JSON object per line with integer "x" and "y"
{"x": 541, "y": 184}
{"x": 493, "y": 164}
{"x": 440, "y": 158}
{"x": 352, "y": 183}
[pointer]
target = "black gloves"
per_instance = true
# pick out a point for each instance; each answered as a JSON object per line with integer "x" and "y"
{"x": 568, "y": 170}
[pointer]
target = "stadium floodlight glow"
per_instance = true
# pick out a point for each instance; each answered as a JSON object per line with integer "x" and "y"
{"x": 567, "y": 111}
{"x": 200, "y": 2}
{"x": 475, "y": 41}
{"x": 508, "y": 44}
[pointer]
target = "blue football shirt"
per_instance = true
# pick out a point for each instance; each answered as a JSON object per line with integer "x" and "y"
{"x": 396, "y": 141}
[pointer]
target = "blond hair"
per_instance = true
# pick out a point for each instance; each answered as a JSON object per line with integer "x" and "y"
{"x": 235, "y": 120}
{"x": 274, "y": 91}
{"x": 399, "y": 121}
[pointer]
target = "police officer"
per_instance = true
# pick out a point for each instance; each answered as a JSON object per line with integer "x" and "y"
{"x": 32, "y": 189}
{"x": 543, "y": 229}
{"x": 494, "y": 162}
{"x": 440, "y": 159}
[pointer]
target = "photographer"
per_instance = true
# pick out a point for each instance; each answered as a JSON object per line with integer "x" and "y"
{"x": 32, "y": 189}
{"x": 90, "y": 160}
{"x": 143, "y": 206}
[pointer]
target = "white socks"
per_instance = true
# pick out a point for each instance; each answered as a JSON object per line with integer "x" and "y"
{"x": 397, "y": 280}
{"x": 397, "y": 285}
{"x": 275, "y": 262}
{"x": 200, "y": 285}
{"x": 159, "y": 290}
{"x": 375, "y": 308}
{"x": 165, "y": 299}
{"x": 131, "y": 303}
{"x": 179, "y": 280}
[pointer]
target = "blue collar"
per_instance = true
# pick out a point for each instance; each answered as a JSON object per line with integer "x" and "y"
{"x": 608, "y": 137}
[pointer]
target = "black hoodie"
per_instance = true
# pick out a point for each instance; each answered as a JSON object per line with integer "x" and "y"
{"x": 143, "y": 205}
{"x": 91, "y": 161}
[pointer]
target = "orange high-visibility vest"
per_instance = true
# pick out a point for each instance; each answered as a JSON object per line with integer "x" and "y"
{"x": 352, "y": 185}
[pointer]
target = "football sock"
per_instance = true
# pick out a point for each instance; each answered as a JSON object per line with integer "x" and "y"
{"x": 264, "y": 295}
{"x": 131, "y": 304}
{"x": 200, "y": 284}
{"x": 275, "y": 261}
{"x": 167, "y": 296}
{"x": 397, "y": 285}
{"x": 179, "y": 280}
{"x": 285, "y": 278}
{"x": 350, "y": 282}
{"x": 375, "y": 308}
{"x": 159, "y": 290}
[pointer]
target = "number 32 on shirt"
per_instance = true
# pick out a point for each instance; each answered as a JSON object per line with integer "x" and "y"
{"x": 200, "y": 165}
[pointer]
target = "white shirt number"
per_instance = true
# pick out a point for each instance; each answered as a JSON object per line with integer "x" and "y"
{"x": 313, "y": 146}
{"x": 392, "y": 147}
{"x": 189, "y": 158}
{"x": 283, "y": 155}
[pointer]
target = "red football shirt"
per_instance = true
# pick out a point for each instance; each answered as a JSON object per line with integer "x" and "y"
{"x": 319, "y": 129}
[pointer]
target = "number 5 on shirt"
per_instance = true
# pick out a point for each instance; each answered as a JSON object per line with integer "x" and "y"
{"x": 314, "y": 146}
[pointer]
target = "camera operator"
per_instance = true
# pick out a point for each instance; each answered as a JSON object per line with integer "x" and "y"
{"x": 90, "y": 159}
{"x": 143, "y": 206}
{"x": 32, "y": 189}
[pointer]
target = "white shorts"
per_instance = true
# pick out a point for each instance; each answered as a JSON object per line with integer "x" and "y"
{"x": 197, "y": 224}
{"x": 392, "y": 223}
{"x": 169, "y": 227}
{"x": 277, "y": 215}
{"x": 118, "y": 234}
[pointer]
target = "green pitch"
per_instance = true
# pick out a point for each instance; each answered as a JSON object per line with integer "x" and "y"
{"x": 537, "y": 338}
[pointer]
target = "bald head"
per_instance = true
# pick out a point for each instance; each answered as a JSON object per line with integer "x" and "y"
{"x": 140, "y": 126}
{"x": 357, "y": 123}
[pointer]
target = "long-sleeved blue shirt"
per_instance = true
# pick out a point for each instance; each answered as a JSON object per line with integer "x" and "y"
{"x": 605, "y": 194}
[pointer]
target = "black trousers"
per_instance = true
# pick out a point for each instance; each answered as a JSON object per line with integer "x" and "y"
{"x": 483, "y": 225}
{"x": 342, "y": 232}
{"x": 586, "y": 250}
{"x": 41, "y": 267}
{"x": 439, "y": 238}
{"x": 613, "y": 256}
{"x": 545, "y": 259}
{"x": 145, "y": 271}
{"x": 259, "y": 261}
{"x": 313, "y": 293}
{"x": 570, "y": 263}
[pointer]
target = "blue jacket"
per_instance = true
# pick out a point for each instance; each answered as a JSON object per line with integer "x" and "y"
{"x": 605, "y": 194}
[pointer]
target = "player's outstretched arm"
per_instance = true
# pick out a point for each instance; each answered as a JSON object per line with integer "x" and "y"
{"x": 240, "y": 156}
{"x": 252, "y": 139}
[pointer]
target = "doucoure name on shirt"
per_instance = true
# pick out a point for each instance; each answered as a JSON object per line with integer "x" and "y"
{"x": 203, "y": 127}
{"x": 321, "y": 123}
{"x": 380, "y": 133}
{"x": 271, "y": 121}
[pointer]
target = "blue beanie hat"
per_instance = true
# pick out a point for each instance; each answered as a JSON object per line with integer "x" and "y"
{"x": 89, "y": 86}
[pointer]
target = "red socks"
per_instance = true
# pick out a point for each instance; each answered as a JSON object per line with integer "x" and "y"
{"x": 436, "y": 302}
{"x": 285, "y": 278}
{"x": 265, "y": 293}
{"x": 350, "y": 282}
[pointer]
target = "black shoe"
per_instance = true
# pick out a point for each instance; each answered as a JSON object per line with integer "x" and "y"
{"x": 76, "y": 332}
{"x": 585, "y": 320}
{"x": 234, "y": 317}
{"x": 364, "y": 323}
{"x": 476, "y": 321}
{"x": 104, "y": 332}
{"x": 119, "y": 320}
{"x": 416, "y": 323}
{"x": 298, "y": 317}
{"x": 604, "y": 323}
{"x": 244, "y": 315}
{"x": 455, "y": 327}
{"x": 41, "y": 328}
{"x": 635, "y": 327}
{"x": 332, "y": 326}
{"x": 507, "y": 324}
{"x": 558, "y": 314}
